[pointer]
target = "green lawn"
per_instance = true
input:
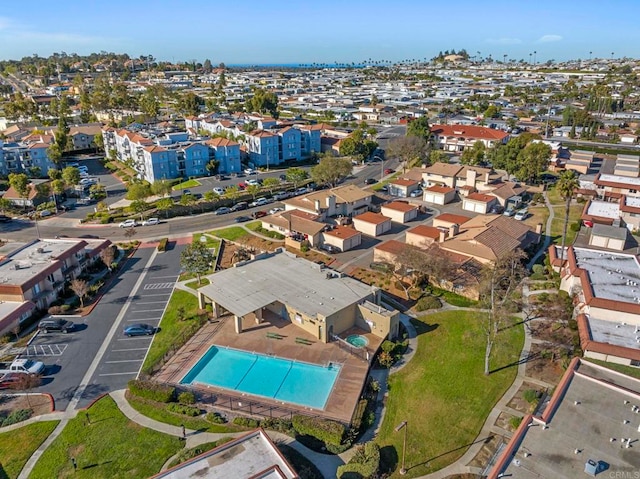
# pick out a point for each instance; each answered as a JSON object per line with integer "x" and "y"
{"x": 186, "y": 184}
{"x": 159, "y": 413}
{"x": 232, "y": 233}
{"x": 173, "y": 331}
{"x": 254, "y": 225}
{"x": 443, "y": 393}
{"x": 380, "y": 184}
{"x": 558, "y": 223}
{"x": 196, "y": 285}
{"x": 112, "y": 446}
{"x": 210, "y": 242}
{"x": 17, "y": 446}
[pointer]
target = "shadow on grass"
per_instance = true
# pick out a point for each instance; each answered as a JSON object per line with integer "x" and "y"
{"x": 91, "y": 466}
{"x": 422, "y": 327}
{"x": 388, "y": 459}
{"x": 484, "y": 441}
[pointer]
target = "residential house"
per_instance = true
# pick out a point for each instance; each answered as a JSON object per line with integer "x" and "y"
{"x": 476, "y": 178}
{"x": 32, "y": 199}
{"x": 580, "y": 161}
{"x": 346, "y": 200}
{"x": 424, "y": 236}
{"x": 460, "y": 137}
{"x": 479, "y": 203}
{"x": 402, "y": 187}
{"x": 508, "y": 194}
{"x": 446, "y": 220}
{"x": 400, "y": 211}
{"x": 296, "y": 225}
{"x": 372, "y": 224}
{"x": 439, "y": 195}
{"x": 342, "y": 237}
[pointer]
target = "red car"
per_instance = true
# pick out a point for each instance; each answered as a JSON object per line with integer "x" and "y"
{"x": 388, "y": 171}
{"x": 9, "y": 380}
{"x": 242, "y": 186}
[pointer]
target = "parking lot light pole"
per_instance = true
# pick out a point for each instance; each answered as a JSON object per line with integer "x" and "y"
{"x": 403, "y": 425}
{"x": 381, "y": 166}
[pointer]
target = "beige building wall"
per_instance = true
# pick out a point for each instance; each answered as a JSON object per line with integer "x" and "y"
{"x": 382, "y": 325}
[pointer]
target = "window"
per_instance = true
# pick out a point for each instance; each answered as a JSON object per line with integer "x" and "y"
{"x": 36, "y": 289}
{"x": 51, "y": 278}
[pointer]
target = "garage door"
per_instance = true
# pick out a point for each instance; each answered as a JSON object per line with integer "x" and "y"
{"x": 431, "y": 198}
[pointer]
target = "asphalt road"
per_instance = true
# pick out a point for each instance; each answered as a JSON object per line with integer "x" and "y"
{"x": 69, "y": 357}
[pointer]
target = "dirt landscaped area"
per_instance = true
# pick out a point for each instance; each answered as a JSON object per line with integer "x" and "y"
{"x": 524, "y": 400}
{"x": 487, "y": 451}
{"x": 38, "y": 403}
{"x": 546, "y": 364}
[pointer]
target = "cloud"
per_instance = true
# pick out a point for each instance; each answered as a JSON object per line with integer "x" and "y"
{"x": 503, "y": 41}
{"x": 549, "y": 38}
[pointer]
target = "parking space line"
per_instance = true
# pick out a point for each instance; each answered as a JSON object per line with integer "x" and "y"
{"x": 146, "y": 310}
{"x": 161, "y": 277}
{"x": 135, "y": 337}
{"x": 124, "y": 361}
{"x": 157, "y": 294}
{"x": 149, "y": 286}
{"x": 128, "y": 349}
{"x": 151, "y": 302}
{"x": 119, "y": 374}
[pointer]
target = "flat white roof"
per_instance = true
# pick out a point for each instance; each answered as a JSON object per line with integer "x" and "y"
{"x": 620, "y": 179}
{"x": 250, "y": 456}
{"x": 614, "y": 333}
{"x": 632, "y": 201}
{"x": 613, "y": 276}
{"x": 604, "y": 209}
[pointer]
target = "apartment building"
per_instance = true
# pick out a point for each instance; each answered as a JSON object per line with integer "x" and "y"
{"x": 461, "y": 137}
{"x": 21, "y": 157}
{"x": 33, "y": 275}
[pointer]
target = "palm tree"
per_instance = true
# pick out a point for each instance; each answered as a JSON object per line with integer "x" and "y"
{"x": 566, "y": 186}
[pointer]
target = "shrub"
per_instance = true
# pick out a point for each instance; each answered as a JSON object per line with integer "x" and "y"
{"x": 65, "y": 308}
{"x": 246, "y": 422}
{"x": 575, "y": 226}
{"x": 277, "y": 424}
{"x": 357, "y": 421}
{"x": 428, "y": 302}
{"x": 388, "y": 346}
{"x": 151, "y": 390}
{"x": 329, "y": 432}
{"x": 305, "y": 246}
{"x": 385, "y": 359}
{"x": 17, "y": 416}
{"x": 54, "y": 310}
{"x": 515, "y": 421}
{"x": 530, "y": 395}
{"x": 216, "y": 418}
{"x": 364, "y": 463}
{"x": 162, "y": 244}
{"x": 183, "y": 409}
{"x": 186, "y": 397}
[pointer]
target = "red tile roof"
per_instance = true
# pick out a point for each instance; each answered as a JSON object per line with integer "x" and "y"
{"x": 373, "y": 218}
{"x": 343, "y": 232}
{"x": 440, "y": 189}
{"x": 400, "y": 206}
{"x": 451, "y": 218}
{"x": 425, "y": 231}
{"x": 469, "y": 131}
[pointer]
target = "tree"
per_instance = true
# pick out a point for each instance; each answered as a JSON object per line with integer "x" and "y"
{"x": 25, "y": 383}
{"x": 296, "y": 175}
{"x": 164, "y": 204}
{"x": 212, "y": 166}
{"x": 57, "y": 187}
{"x": 98, "y": 192}
{"x": 357, "y": 145}
{"x": 270, "y": 183}
{"x": 419, "y": 127}
{"x": 130, "y": 233}
{"x": 35, "y": 172}
{"x": 188, "y": 200}
{"x": 189, "y": 104}
{"x": 161, "y": 188}
{"x": 253, "y": 190}
{"x": 43, "y": 191}
{"x": 474, "y": 155}
{"x": 263, "y": 101}
{"x": 533, "y": 160}
{"x": 71, "y": 176}
{"x": 99, "y": 141}
{"x": 566, "y": 186}
{"x": 54, "y": 174}
{"x": 331, "y": 170}
{"x": 139, "y": 207}
{"x": 20, "y": 183}
{"x": 500, "y": 281}
{"x": 108, "y": 255}
{"x": 80, "y": 287}
{"x": 231, "y": 192}
{"x": 197, "y": 258}
{"x": 438, "y": 156}
{"x": 138, "y": 191}
{"x": 210, "y": 196}
{"x": 409, "y": 149}
{"x": 206, "y": 66}
{"x": 149, "y": 105}
{"x": 5, "y": 205}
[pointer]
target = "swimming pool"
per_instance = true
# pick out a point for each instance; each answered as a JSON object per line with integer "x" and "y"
{"x": 357, "y": 341}
{"x": 277, "y": 378}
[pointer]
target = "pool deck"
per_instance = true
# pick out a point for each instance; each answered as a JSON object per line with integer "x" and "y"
{"x": 255, "y": 338}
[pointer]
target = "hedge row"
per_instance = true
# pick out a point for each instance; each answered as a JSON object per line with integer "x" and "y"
{"x": 329, "y": 432}
{"x": 364, "y": 463}
{"x": 183, "y": 409}
{"x": 16, "y": 417}
{"x": 151, "y": 390}
{"x": 162, "y": 244}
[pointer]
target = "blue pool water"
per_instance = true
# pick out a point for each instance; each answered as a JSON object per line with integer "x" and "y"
{"x": 281, "y": 379}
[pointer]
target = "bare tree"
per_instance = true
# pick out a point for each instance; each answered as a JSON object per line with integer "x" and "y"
{"x": 129, "y": 233}
{"x": 81, "y": 288}
{"x": 501, "y": 280}
{"x": 25, "y": 383}
{"x": 108, "y": 255}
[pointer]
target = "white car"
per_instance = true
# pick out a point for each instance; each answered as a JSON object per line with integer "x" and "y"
{"x": 259, "y": 202}
{"x": 44, "y": 213}
{"x": 521, "y": 215}
{"x": 128, "y": 224}
{"x": 218, "y": 191}
{"x": 150, "y": 222}
{"x": 253, "y": 182}
{"x": 273, "y": 211}
{"x": 250, "y": 171}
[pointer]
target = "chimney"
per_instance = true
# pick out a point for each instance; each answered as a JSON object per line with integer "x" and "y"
{"x": 331, "y": 204}
{"x": 453, "y": 230}
{"x": 539, "y": 228}
{"x": 443, "y": 235}
{"x": 471, "y": 177}
{"x": 316, "y": 205}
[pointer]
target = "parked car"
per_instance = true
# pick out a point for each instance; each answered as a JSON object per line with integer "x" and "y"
{"x": 250, "y": 171}
{"x": 150, "y": 222}
{"x": 4, "y": 219}
{"x": 329, "y": 248}
{"x": 218, "y": 191}
{"x": 242, "y": 219}
{"x": 240, "y": 206}
{"x": 273, "y": 211}
{"x": 283, "y": 195}
{"x": 521, "y": 215}
{"x": 496, "y": 209}
{"x": 388, "y": 171}
{"x": 242, "y": 185}
{"x": 259, "y": 202}
{"x": 283, "y": 177}
{"x": 45, "y": 213}
{"x": 56, "y": 324}
{"x": 223, "y": 210}
{"x": 415, "y": 193}
{"x": 240, "y": 174}
{"x": 10, "y": 380}
{"x": 259, "y": 214}
{"x": 128, "y": 224}
{"x": 370, "y": 181}
{"x": 509, "y": 211}
{"x": 253, "y": 182}
{"x": 140, "y": 329}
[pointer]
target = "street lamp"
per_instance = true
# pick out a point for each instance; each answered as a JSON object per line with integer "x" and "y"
{"x": 403, "y": 425}
{"x": 381, "y": 165}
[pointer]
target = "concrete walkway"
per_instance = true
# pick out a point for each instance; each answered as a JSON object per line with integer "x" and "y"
{"x": 547, "y": 233}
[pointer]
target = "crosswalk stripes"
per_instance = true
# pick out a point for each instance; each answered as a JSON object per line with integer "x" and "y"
{"x": 158, "y": 286}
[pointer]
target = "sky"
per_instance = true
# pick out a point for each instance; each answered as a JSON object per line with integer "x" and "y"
{"x": 301, "y": 31}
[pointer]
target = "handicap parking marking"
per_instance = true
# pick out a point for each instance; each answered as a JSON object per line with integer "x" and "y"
{"x": 158, "y": 286}
{"x": 45, "y": 350}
